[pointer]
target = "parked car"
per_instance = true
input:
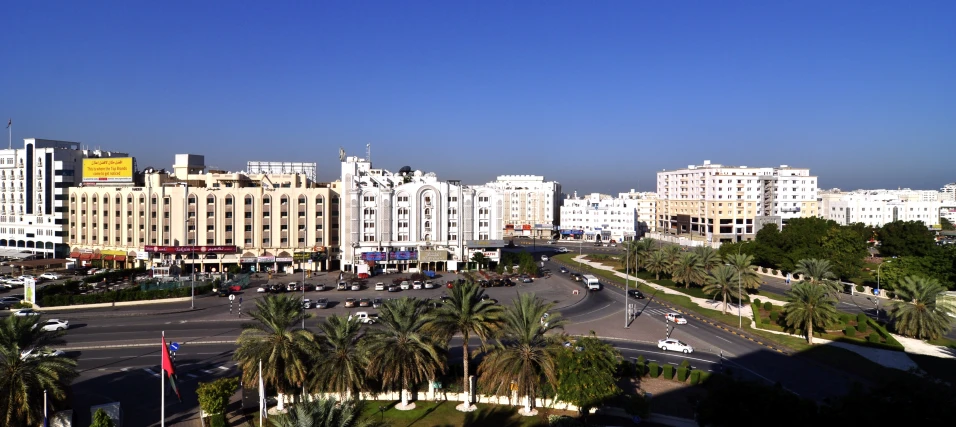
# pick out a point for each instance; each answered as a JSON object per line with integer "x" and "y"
{"x": 377, "y": 303}
{"x": 379, "y": 286}
{"x": 676, "y": 318}
{"x": 526, "y": 279}
{"x": 394, "y": 288}
{"x": 363, "y": 317}
{"x": 306, "y": 303}
{"x": 550, "y": 242}
{"x": 671, "y": 344}
{"x": 576, "y": 277}
{"x": 349, "y": 302}
{"x": 223, "y": 292}
{"x": 417, "y": 284}
{"x": 405, "y": 285}
{"x": 322, "y": 303}
{"x": 26, "y": 312}
{"x": 260, "y": 290}
{"x": 342, "y": 286}
{"x": 56, "y": 325}
{"x": 429, "y": 285}
{"x": 563, "y": 270}
{"x": 562, "y": 250}
{"x": 365, "y": 302}
{"x": 43, "y": 352}
{"x": 634, "y": 293}
{"x": 356, "y": 286}
{"x": 50, "y": 276}
{"x": 544, "y": 258}
{"x": 292, "y": 287}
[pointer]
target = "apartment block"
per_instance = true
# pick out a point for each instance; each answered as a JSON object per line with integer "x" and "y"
{"x": 607, "y": 218}
{"x": 532, "y": 206}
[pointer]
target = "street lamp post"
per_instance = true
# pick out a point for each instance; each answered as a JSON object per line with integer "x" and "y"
{"x": 878, "y": 289}
{"x": 627, "y": 283}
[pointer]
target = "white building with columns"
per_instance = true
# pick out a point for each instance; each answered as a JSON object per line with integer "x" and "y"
{"x": 604, "y": 217}
{"x": 411, "y": 221}
{"x": 532, "y": 206}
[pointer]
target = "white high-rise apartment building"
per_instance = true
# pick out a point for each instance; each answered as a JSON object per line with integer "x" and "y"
{"x": 34, "y": 182}
{"x": 532, "y": 206}
{"x": 729, "y": 203}
{"x": 603, "y": 217}
{"x": 948, "y": 192}
{"x": 878, "y": 207}
{"x": 411, "y": 220}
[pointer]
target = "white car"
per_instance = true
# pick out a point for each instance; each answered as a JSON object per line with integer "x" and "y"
{"x": 44, "y": 352}
{"x": 676, "y": 318}
{"x": 356, "y": 286}
{"x": 544, "y": 257}
{"x": 405, "y": 285}
{"x": 417, "y": 284}
{"x": 260, "y": 290}
{"x": 563, "y": 250}
{"x": 379, "y": 286}
{"x": 27, "y": 312}
{"x": 671, "y": 344}
{"x": 50, "y": 276}
{"x": 429, "y": 285}
{"x": 56, "y": 325}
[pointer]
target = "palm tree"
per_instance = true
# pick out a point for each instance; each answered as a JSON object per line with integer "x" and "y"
{"x": 817, "y": 272}
{"x": 636, "y": 252}
{"x": 920, "y": 313}
{"x": 742, "y": 264}
{"x": 466, "y": 313}
{"x": 722, "y": 280}
{"x": 811, "y": 307}
{"x": 480, "y": 259}
{"x": 401, "y": 352}
{"x": 340, "y": 362}
{"x": 525, "y": 353}
{"x": 285, "y": 351}
{"x": 708, "y": 257}
{"x": 24, "y": 375}
{"x": 673, "y": 253}
{"x": 325, "y": 413}
{"x": 657, "y": 263}
{"x": 688, "y": 270}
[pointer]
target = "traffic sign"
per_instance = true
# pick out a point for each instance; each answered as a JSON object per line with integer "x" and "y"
{"x": 174, "y": 346}
{"x": 232, "y": 297}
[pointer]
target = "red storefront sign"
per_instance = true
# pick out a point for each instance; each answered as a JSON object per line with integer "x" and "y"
{"x": 190, "y": 249}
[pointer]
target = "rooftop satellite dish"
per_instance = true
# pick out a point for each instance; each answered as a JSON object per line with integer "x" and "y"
{"x": 405, "y": 170}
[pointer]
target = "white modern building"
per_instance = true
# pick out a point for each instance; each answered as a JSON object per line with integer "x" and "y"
{"x": 603, "y": 217}
{"x": 410, "y": 220}
{"x": 948, "y": 192}
{"x": 34, "y": 183}
{"x": 878, "y": 207}
{"x": 532, "y": 206}
{"x": 730, "y": 203}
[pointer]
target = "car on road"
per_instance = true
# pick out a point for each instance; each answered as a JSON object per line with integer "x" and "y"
{"x": 349, "y": 302}
{"x": 43, "y": 352}
{"x": 634, "y": 293}
{"x": 405, "y": 285}
{"x": 526, "y": 279}
{"x": 562, "y": 250}
{"x": 260, "y": 290}
{"x": 365, "y": 302}
{"x": 356, "y": 286}
{"x": 676, "y": 318}
{"x": 563, "y": 270}
{"x": 223, "y": 292}
{"x": 394, "y": 288}
{"x": 379, "y": 286}
{"x": 671, "y": 344}
{"x": 322, "y": 303}
{"x": 575, "y": 276}
{"x": 429, "y": 285}
{"x": 417, "y": 284}
{"x": 363, "y": 317}
{"x": 292, "y": 287}
{"x": 307, "y": 303}
{"x": 550, "y": 242}
{"x": 342, "y": 286}
{"x": 55, "y": 325}
{"x": 377, "y": 303}
{"x": 319, "y": 287}
{"x": 13, "y": 283}
{"x": 50, "y": 276}
{"x": 26, "y": 312}
{"x": 486, "y": 297}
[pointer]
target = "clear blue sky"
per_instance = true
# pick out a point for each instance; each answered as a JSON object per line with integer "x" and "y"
{"x": 598, "y": 95}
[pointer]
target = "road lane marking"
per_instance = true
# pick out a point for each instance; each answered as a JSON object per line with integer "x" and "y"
{"x": 725, "y": 339}
{"x": 223, "y": 368}
{"x": 206, "y": 371}
{"x": 192, "y": 375}
{"x": 669, "y": 354}
{"x": 150, "y": 371}
{"x": 124, "y": 369}
{"x": 592, "y": 311}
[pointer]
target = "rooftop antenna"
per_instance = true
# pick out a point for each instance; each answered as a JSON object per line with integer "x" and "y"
{"x": 10, "y": 133}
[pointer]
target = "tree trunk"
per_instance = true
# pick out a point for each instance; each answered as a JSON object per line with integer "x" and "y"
{"x": 527, "y": 404}
{"x": 810, "y": 332}
{"x": 725, "y": 302}
{"x": 404, "y": 394}
{"x": 467, "y": 388}
{"x": 281, "y": 405}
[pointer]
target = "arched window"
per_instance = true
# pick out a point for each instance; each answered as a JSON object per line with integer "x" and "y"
{"x": 210, "y": 200}
{"x": 301, "y": 200}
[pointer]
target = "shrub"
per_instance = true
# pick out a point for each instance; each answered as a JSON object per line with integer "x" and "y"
{"x": 775, "y": 272}
{"x": 768, "y": 306}
{"x": 844, "y": 318}
{"x": 694, "y": 377}
{"x": 757, "y": 301}
{"x": 763, "y": 269}
{"x": 682, "y": 374}
{"x": 849, "y": 331}
{"x": 774, "y": 316}
{"x": 654, "y": 370}
{"x": 669, "y": 372}
{"x": 638, "y": 405}
{"x": 859, "y": 288}
{"x": 861, "y": 318}
{"x": 873, "y": 338}
{"x": 704, "y": 376}
{"x": 765, "y": 321}
{"x": 685, "y": 364}
{"x": 861, "y": 328}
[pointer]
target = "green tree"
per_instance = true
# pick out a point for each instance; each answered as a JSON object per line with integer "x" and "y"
{"x": 810, "y": 308}
{"x": 688, "y": 270}
{"x": 768, "y": 249}
{"x": 214, "y": 396}
{"x": 657, "y": 263}
{"x": 742, "y": 265}
{"x": 480, "y": 259}
{"x": 586, "y": 373}
{"x": 818, "y": 272}
{"x": 673, "y": 253}
{"x": 636, "y": 252}
{"x": 340, "y": 361}
{"x": 746, "y": 247}
{"x": 939, "y": 264}
{"x": 920, "y": 313}
{"x": 465, "y": 312}
{"x": 946, "y": 224}
{"x": 707, "y": 257}
{"x": 722, "y": 280}
{"x": 802, "y": 239}
{"x": 525, "y": 353}
{"x": 905, "y": 238}
{"x": 325, "y": 413}
{"x": 275, "y": 340}
{"x": 24, "y": 374}
{"x": 846, "y": 250}
{"x": 102, "y": 419}
{"x": 401, "y": 352}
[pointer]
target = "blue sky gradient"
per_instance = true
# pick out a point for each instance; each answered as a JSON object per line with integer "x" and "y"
{"x": 596, "y": 95}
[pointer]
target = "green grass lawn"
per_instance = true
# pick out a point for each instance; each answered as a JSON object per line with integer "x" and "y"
{"x": 436, "y": 414}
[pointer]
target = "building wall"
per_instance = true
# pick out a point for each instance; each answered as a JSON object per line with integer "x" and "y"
{"x": 529, "y": 201}
{"x": 876, "y": 208}
{"x": 625, "y": 217}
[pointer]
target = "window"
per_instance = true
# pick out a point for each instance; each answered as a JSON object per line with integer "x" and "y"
{"x": 229, "y": 201}
{"x": 248, "y": 201}
{"x": 248, "y": 228}
{"x": 248, "y": 215}
{"x": 228, "y": 215}
{"x": 228, "y": 229}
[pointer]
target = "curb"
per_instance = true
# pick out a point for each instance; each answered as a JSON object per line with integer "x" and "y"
{"x": 105, "y": 347}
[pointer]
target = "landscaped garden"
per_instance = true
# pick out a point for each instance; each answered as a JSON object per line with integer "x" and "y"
{"x": 858, "y": 329}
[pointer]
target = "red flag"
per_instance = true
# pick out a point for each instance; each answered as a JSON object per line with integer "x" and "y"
{"x": 169, "y": 369}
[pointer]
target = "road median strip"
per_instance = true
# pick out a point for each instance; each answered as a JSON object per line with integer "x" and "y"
{"x": 105, "y": 347}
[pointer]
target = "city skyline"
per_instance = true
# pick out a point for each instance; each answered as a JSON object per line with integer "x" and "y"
{"x": 599, "y": 97}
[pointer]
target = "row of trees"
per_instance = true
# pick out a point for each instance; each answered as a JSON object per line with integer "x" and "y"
{"x": 409, "y": 347}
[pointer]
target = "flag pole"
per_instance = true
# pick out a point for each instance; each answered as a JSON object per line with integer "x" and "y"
{"x": 162, "y": 391}
{"x": 44, "y": 407}
{"x": 262, "y": 409}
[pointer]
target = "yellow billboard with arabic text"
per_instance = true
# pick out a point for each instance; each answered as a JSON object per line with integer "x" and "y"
{"x": 108, "y": 170}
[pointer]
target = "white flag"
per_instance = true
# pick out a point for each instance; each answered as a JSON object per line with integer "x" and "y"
{"x": 262, "y": 395}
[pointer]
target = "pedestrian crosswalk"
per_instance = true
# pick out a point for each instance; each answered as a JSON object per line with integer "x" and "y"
{"x": 654, "y": 311}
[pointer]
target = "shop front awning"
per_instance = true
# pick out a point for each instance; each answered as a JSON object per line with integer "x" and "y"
{"x": 108, "y": 257}
{"x": 119, "y": 257}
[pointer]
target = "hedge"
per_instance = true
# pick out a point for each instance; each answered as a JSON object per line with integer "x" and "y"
{"x": 891, "y": 343}
{"x": 131, "y": 294}
{"x": 757, "y": 301}
{"x": 669, "y": 372}
{"x": 859, "y": 288}
{"x": 844, "y": 318}
{"x": 774, "y": 316}
{"x": 873, "y": 338}
{"x": 860, "y": 318}
{"x": 849, "y": 331}
{"x": 654, "y": 370}
{"x": 694, "y": 377}
{"x": 682, "y": 374}
{"x": 768, "y": 306}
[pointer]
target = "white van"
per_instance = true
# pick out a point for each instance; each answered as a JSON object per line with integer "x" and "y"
{"x": 591, "y": 282}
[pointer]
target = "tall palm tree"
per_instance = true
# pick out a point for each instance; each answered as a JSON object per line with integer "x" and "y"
{"x": 325, "y": 413}
{"x": 811, "y": 307}
{"x": 920, "y": 313}
{"x": 284, "y": 350}
{"x": 466, "y": 313}
{"x": 401, "y": 351}
{"x": 688, "y": 270}
{"x": 657, "y": 263}
{"x": 818, "y": 272}
{"x": 708, "y": 257}
{"x": 743, "y": 265}
{"x": 636, "y": 252}
{"x": 24, "y": 374}
{"x": 525, "y": 352}
{"x": 673, "y": 253}
{"x": 722, "y": 280}
{"x": 340, "y": 362}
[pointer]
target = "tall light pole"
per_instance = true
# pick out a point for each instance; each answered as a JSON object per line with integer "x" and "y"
{"x": 627, "y": 283}
{"x": 878, "y": 289}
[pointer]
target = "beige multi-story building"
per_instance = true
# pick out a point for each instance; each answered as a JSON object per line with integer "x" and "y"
{"x": 211, "y": 220}
{"x": 730, "y": 203}
{"x": 532, "y": 206}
